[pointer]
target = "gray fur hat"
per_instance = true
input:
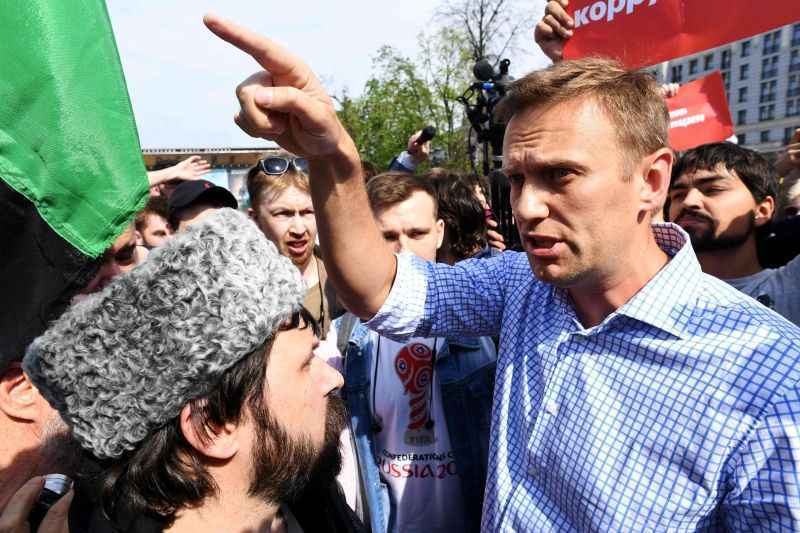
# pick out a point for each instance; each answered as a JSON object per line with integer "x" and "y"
{"x": 121, "y": 362}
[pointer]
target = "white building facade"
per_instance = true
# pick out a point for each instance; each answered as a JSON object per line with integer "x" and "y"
{"x": 762, "y": 82}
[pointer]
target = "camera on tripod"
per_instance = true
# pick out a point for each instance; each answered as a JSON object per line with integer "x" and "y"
{"x": 486, "y": 138}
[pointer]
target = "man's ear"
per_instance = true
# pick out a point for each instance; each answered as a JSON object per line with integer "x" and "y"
{"x": 216, "y": 442}
{"x": 655, "y": 180}
{"x": 18, "y": 397}
{"x": 764, "y": 211}
{"x": 440, "y": 231}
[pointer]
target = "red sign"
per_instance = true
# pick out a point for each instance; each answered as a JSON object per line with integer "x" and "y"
{"x": 699, "y": 114}
{"x": 645, "y": 32}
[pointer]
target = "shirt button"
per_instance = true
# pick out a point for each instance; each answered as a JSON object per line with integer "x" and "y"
{"x": 533, "y": 471}
{"x": 551, "y": 407}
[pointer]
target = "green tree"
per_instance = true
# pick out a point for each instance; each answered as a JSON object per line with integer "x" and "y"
{"x": 404, "y": 95}
{"x": 395, "y": 103}
{"x": 446, "y": 65}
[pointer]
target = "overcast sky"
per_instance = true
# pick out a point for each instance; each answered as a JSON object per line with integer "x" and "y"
{"x": 182, "y": 79}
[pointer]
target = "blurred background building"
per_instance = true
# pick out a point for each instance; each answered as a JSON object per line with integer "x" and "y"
{"x": 762, "y": 82}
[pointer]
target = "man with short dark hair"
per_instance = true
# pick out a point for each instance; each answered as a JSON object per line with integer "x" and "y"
{"x": 192, "y": 384}
{"x": 152, "y": 226}
{"x": 193, "y": 200}
{"x": 633, "y": 392}
{"x": 720, "y": 194}
{"x": 421, "y": 408}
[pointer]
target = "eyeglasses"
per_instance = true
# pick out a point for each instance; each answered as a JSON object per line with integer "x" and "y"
{"x": 275, "y": 166}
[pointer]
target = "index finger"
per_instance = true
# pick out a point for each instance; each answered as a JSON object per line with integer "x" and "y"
{"x": 269, "y": 54}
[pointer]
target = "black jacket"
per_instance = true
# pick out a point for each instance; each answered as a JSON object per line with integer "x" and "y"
{"x": 318, "y": 509}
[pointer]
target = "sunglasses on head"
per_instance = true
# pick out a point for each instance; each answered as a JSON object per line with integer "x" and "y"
{"x": 276, "y": 165}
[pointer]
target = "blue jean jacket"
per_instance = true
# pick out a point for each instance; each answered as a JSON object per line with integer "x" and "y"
{"x": 466, "y": 369}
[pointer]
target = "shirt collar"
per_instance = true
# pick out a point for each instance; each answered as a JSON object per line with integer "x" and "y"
{"x": 669, "y": 298}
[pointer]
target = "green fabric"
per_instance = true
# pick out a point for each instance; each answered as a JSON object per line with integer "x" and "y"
{"x": 68, "y": 139}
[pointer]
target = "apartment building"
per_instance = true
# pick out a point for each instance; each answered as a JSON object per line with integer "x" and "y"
{"x": 762, "y": 82}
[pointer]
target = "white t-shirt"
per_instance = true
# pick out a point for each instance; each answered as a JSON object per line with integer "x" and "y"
{"x": 348, "y": 477}
{"x": 777, "y": 288}
{"x": 413, "y": 449}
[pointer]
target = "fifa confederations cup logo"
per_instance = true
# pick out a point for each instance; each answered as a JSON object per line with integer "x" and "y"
{"x": 414, "y": 366}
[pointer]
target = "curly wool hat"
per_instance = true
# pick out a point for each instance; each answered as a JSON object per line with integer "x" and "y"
{"x": 121, "y": 362}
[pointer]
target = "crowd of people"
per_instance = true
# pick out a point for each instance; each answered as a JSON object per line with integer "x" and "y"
{"x": 361, "y": 353}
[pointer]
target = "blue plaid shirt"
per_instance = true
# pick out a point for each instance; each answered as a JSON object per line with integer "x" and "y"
{"x": 679, "y": 412}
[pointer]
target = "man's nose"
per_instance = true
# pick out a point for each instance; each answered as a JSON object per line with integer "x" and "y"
{"x": 529, "y": 203}
{"x": 403, "y": 244}
{"x": 297, "y": 225}
{"x": 693, "y": 198}
{"x": 332, "y": 379}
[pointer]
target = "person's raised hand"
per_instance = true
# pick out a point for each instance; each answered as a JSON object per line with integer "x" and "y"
{"x": 789, "y": 160}
{"x": 191, "y": 168}
{"x": 285, "y": 102}
{"x": 15, "y": 516}
{"x": 420, "y": 152}
{"x": 793, "y": 149}
{"x": 554, "y": 29}
{"x": 493, "y": 237}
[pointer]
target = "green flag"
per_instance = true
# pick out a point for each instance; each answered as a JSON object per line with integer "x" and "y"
{"x": 71, "y": 171}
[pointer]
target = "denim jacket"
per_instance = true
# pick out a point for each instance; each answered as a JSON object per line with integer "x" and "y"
{"x": 466, "y": 368}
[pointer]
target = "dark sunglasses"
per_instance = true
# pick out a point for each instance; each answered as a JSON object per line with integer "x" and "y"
{"x": 275, "y": 166}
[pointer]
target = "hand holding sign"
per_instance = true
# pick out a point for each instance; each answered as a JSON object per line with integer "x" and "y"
{"x": 554, "y": 29}
{"x": 789, "y": 160}
{"x": 645, "y": 32}
{"x": 285, "y": 102}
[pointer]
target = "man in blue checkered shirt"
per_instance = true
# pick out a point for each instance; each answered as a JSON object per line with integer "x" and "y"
{"x": 633, "y": 392}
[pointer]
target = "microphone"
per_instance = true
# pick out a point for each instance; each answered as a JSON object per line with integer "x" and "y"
{"x": 427, "y": 134}
{"x": 483, "y": 70}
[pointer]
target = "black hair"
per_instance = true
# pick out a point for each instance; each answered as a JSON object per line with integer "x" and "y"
{"x": 463, "y": 215}
{"x": 751, "y": 167}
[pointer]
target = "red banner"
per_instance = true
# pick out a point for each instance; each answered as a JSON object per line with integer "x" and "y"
{"x": 699, "y": 114}
{"x": 645, "y": 32}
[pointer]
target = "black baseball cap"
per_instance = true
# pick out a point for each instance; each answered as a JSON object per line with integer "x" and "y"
{"x": 194, "y": 191}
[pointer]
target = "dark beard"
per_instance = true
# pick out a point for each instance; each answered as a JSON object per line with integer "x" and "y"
{"x": 705, "y": 241}
{"x": 60, "y": 451}
{"x": 284, "y": 466}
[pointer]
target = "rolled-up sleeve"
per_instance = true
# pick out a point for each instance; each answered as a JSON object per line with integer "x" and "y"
{"x": 436, "y": 300}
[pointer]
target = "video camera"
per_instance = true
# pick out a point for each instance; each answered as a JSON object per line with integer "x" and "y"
{"x": 479, "y": 101}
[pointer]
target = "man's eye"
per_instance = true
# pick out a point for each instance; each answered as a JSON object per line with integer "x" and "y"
{"x": 418, "y": 234}
{"x": 556, "y": 174}
{"x": 677, "y": 195}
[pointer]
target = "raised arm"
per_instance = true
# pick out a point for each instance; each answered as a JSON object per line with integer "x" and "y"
{"x": 286, "y": 103}
{"x": 191, "y": 168}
